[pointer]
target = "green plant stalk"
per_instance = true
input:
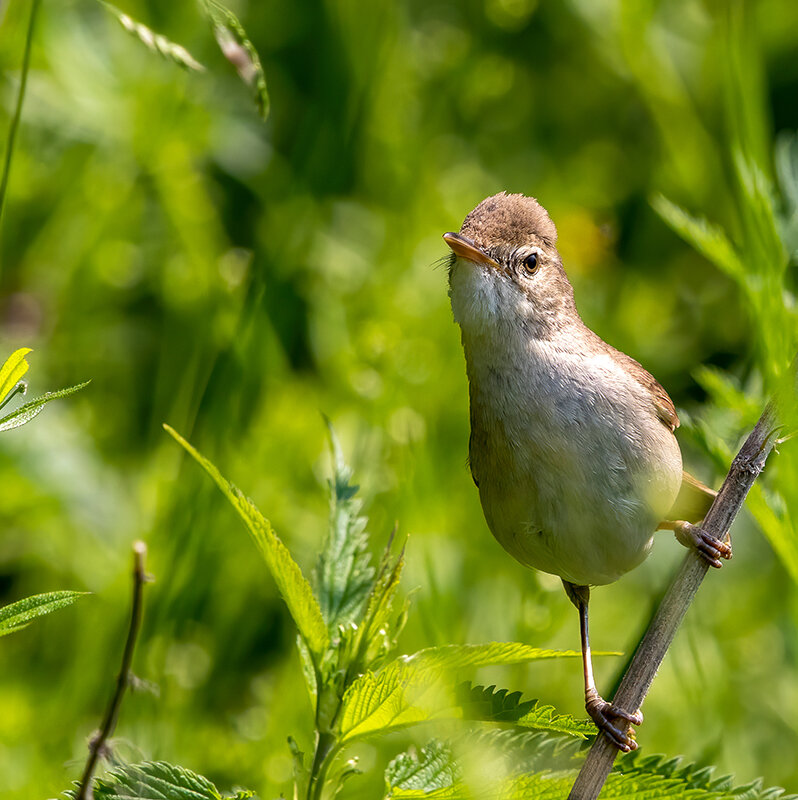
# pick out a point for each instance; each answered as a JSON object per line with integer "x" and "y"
{"x": 23, "y": 82}
{"x": 326, "y": 748}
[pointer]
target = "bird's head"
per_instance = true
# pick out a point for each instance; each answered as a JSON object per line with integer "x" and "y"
{"x": 506, "y": 271}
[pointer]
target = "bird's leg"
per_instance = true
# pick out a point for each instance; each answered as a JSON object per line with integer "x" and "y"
{"x": 600, "y": 711}
{"x": 712, "y": 550}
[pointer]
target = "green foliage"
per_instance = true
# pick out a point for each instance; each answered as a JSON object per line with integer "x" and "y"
{"x": 293, "y": 586}
{"x": 430, "y": 770}
{"x": 353, "y": 696}
{"x": 16, "y": 616}
{"x": 234, "y": 278}
{"x": 418, "y": 688}
{"x": 11, "y": 373}
{"x": 155, "y": 41}
{"x": 239, "y": 51}
{"x": 488, "y": 704}
{"x": 344, "y": 576}
{"x": 31, "y": 409}
{"x": 436, "y": 774}
{"x": 158, "y": 781}
{"x": 756, "y": 259}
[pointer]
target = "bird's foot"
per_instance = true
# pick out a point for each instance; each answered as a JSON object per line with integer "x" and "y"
{"x": 712, "y": 550}
{"x": 603, "y": 713}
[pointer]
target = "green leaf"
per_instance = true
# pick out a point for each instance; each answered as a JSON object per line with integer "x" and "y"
{"x": 635, "y": 778}
{"x": 16, "y": 616}
{"x": 416, "y": 688}
{"x": 12, "y": 371}
{"x": 378, "y": 631}
{"x": 498, "y": 705}
{"x": 156, "y": 780}
{"x": 457, "y": 656}
{"x": 237, "y": 48}
{"x": 708, "y": 239}
{"x": 27, "y": 412}
{"x": 155, "y": 41}
{"x": 432, "y": 769}
{"x": 343, "y": 576}
{"x": 292, "y": 584}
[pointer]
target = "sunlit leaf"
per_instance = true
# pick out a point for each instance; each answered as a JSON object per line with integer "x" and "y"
{"x": 12, "y": 371}
{"x": 417, "y": 688}
{"x": 292, "y": 584}
{"x": 18, "y": 615}
{"x": 432, "y": 769}
{"x": 379, "y": 628}
{"x": 157, "y": 781}
{"x": 489, "y": 704}
{"x": 632, "y": 786}
{"x": 27, "y": 412}
{"x": 343, "y": 576}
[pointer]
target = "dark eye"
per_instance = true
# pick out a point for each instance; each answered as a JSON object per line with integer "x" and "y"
{"x": 530, "y": 263}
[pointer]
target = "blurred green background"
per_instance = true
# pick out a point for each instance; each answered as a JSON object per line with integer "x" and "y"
{"x": 235, "y": 279}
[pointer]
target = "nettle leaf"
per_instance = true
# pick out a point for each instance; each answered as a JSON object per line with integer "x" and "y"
{"x": 292, "y": 584}
{"x": 455, "y": 656}
{"x": 498, "y": 705}
{"x": 344, "y": 576}
{"x": 16, "y": 616}
{"x": 379, "y": 632}
{"x": 237, "y": 48}
{"x": 11, "y": 372}
{"x": 27, "y": 412}
{"x": 157, "y": 780}
{"x": 417, "y": 688}
{"x": 431, "y": 769}
{"x": 637, "y": 765}
{"x": 153, "y": 41}
{"x": 636, "y": 778}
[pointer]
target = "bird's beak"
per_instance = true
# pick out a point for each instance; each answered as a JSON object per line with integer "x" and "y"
{"x": 466, "y": 248}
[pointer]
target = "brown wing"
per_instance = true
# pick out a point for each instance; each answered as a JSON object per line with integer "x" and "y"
{"x": 663, "y": 405}
{"x": 693, "y": 501}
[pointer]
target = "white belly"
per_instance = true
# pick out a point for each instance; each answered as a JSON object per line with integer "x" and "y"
{"x": 574, "y": 468}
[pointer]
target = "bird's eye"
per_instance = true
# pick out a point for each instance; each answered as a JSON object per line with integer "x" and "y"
{"x": 530, "y": 263}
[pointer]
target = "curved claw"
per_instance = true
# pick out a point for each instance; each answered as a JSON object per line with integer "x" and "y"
{"x": 602, "y": 713}
{"x": 711, "y": 549}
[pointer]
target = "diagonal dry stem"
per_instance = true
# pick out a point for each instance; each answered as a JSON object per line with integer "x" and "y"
{"x": 637, "y": 680}
{"x": 99, "y": 740}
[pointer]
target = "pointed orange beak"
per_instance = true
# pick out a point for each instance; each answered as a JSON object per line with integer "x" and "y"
{"x": 466, "y": 248}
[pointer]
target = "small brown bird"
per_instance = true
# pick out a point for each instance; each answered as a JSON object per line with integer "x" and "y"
{"x": 572, "y": 445}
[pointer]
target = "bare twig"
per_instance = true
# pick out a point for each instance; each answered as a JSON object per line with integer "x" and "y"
{"x": 637, "y": 680}
{"x": 98, "y": 741}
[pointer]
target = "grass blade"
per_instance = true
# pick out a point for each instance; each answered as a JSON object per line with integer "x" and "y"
{"x": 23, "y": 82}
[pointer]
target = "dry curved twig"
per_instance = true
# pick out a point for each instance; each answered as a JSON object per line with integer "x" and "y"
{"x": 745, "y": 468}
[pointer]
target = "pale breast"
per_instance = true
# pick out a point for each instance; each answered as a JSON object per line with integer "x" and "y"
{"x": 574, "y": 467}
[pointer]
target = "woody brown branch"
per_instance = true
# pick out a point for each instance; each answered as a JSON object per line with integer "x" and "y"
{"x": 745, "y": 469}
